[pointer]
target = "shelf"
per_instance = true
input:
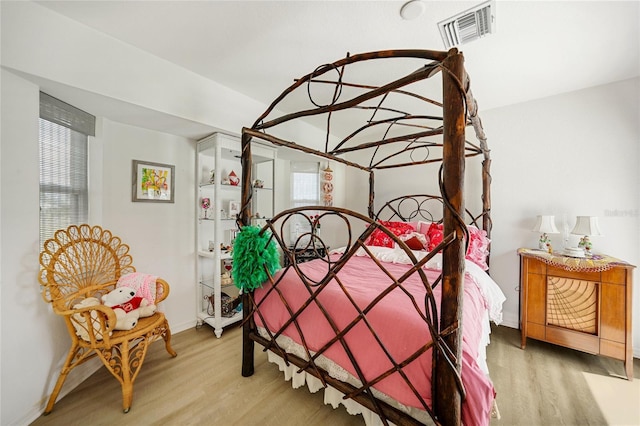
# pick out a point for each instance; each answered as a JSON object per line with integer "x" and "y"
{"x": 226, "y": 186}
{"x": 219, "y": 155}
{"x": 224, "y": 321}
{"x": 210, "y": 284}
{"x": 210, "y": 254}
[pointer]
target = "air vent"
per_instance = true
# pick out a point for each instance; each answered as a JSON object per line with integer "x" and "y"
{"x": 469, "y": 25}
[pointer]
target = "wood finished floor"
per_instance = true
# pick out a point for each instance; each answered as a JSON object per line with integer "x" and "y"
{"x": 542, "y": 385}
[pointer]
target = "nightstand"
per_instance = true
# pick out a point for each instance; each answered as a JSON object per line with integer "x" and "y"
{"x": 306, "y": 254}
{"x": 579, "y": 303}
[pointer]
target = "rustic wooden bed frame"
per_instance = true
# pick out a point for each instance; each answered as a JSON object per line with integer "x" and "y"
{"x": 407, "y": 132}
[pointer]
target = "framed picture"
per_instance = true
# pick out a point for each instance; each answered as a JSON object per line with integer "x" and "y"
{"x": 153, "y": 182}
{"x": 234, "y": 208}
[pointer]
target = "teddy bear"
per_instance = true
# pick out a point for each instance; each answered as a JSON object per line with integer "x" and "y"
{"x": 128, "y": 307}
{"x": 79, "y": 320}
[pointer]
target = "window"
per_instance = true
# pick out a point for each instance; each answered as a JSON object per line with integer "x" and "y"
{"x": 64, "y": 191}
{"x": 305, "y": 191}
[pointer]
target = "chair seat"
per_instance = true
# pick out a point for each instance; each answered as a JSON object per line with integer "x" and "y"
{"x": 144, "y": 326}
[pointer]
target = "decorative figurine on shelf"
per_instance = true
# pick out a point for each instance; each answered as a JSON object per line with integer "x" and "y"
{"x": 206, "y": 204}
{"x": 585, "y": 244}
{"x": 258, "y": 183}
{"x": 234, "y": 179}
{"x": 545, "y": 242}
{"x": 212, "y": 176}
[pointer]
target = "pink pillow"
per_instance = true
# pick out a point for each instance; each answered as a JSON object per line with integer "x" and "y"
{"x": 379, "y": 238}
{"x": 423, "y": 227}
{"x": 478, "y": 250}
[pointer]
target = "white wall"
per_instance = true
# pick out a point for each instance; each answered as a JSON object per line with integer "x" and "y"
{"x": 161, "y": 235}
{"x": 27, "y": 339}
{"x": 573, "y": 154}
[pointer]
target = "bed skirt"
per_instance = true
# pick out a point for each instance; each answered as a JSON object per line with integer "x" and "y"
{"x": 332, "y": 396}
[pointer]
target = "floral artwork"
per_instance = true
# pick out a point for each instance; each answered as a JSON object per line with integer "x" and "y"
{"x": 152, "y": 182}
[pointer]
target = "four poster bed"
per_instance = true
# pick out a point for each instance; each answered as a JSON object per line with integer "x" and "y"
{"x": 396, "y": 330}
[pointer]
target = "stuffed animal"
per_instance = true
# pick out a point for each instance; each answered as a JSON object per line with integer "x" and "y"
{"x": 79, "y": 322}
{"x": 128, "y": 307}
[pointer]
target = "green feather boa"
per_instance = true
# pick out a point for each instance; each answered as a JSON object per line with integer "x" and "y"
{"x": 253, "y": 252}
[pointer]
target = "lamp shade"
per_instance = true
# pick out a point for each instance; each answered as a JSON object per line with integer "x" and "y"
{"x": 586, "y": 225}
{"x": 546, "y": 224}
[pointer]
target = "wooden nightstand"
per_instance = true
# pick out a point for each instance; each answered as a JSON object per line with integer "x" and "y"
{"x": 580, "y": 303}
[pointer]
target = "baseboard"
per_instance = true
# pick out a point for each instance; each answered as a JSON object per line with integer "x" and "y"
{"x": 74, "y": 379}
{"x": 511, "y": 321}
{"x": 177, "y": 328}
{"x": 77, "y": 376}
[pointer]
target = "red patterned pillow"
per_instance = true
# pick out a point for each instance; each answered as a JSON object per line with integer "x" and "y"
{"x": 478, "y": 249}
{"x": 435, "y": 234}
{"x": 379, "y": 238}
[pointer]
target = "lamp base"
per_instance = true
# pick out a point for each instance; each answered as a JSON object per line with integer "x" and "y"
{"x": 574, "y": 252}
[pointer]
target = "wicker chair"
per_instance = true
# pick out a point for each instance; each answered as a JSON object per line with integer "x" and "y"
{"x": 84, "y": 261}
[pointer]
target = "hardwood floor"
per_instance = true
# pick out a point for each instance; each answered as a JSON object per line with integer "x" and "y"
{"x": 542, "y": 385}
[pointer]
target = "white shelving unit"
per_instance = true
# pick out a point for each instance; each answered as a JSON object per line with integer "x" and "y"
{"x": 221, "y": 153}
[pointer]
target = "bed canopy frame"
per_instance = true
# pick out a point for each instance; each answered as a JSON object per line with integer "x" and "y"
{"x": 400, "y": 124}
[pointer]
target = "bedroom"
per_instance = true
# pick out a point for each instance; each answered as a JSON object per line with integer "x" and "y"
{"x": 539, "y": 145}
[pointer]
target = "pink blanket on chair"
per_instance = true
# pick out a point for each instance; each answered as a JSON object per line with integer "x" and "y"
{"x": 143, "y": 284}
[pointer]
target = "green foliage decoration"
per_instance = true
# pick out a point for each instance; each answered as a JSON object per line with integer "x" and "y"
{"x": 252, "y": 252}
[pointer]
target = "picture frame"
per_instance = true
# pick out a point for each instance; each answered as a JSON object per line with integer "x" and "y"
{"x": 234, "y": 208}
{"x": 152, "y": 182}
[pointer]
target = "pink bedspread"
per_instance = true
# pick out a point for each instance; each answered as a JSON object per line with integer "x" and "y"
{"x": 395, "y": 321}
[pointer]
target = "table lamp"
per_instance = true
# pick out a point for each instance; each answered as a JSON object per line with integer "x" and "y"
{"x": 586, "y": 226}
{"x": 546, "y": 225}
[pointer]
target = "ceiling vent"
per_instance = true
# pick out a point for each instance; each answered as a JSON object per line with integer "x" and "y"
{"x": 469, "y": 25}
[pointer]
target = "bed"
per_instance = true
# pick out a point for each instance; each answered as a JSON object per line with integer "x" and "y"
{"x": 392, "y": 319}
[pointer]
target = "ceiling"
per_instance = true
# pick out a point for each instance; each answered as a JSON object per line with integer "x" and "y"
{"x": 539, "y": 49}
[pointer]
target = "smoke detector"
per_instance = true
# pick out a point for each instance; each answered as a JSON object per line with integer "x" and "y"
{"x": 469, "y": 25}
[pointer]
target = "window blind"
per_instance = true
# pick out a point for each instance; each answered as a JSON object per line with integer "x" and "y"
{"x": 65, "y": 115}
{"x": 63, "y": 134}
